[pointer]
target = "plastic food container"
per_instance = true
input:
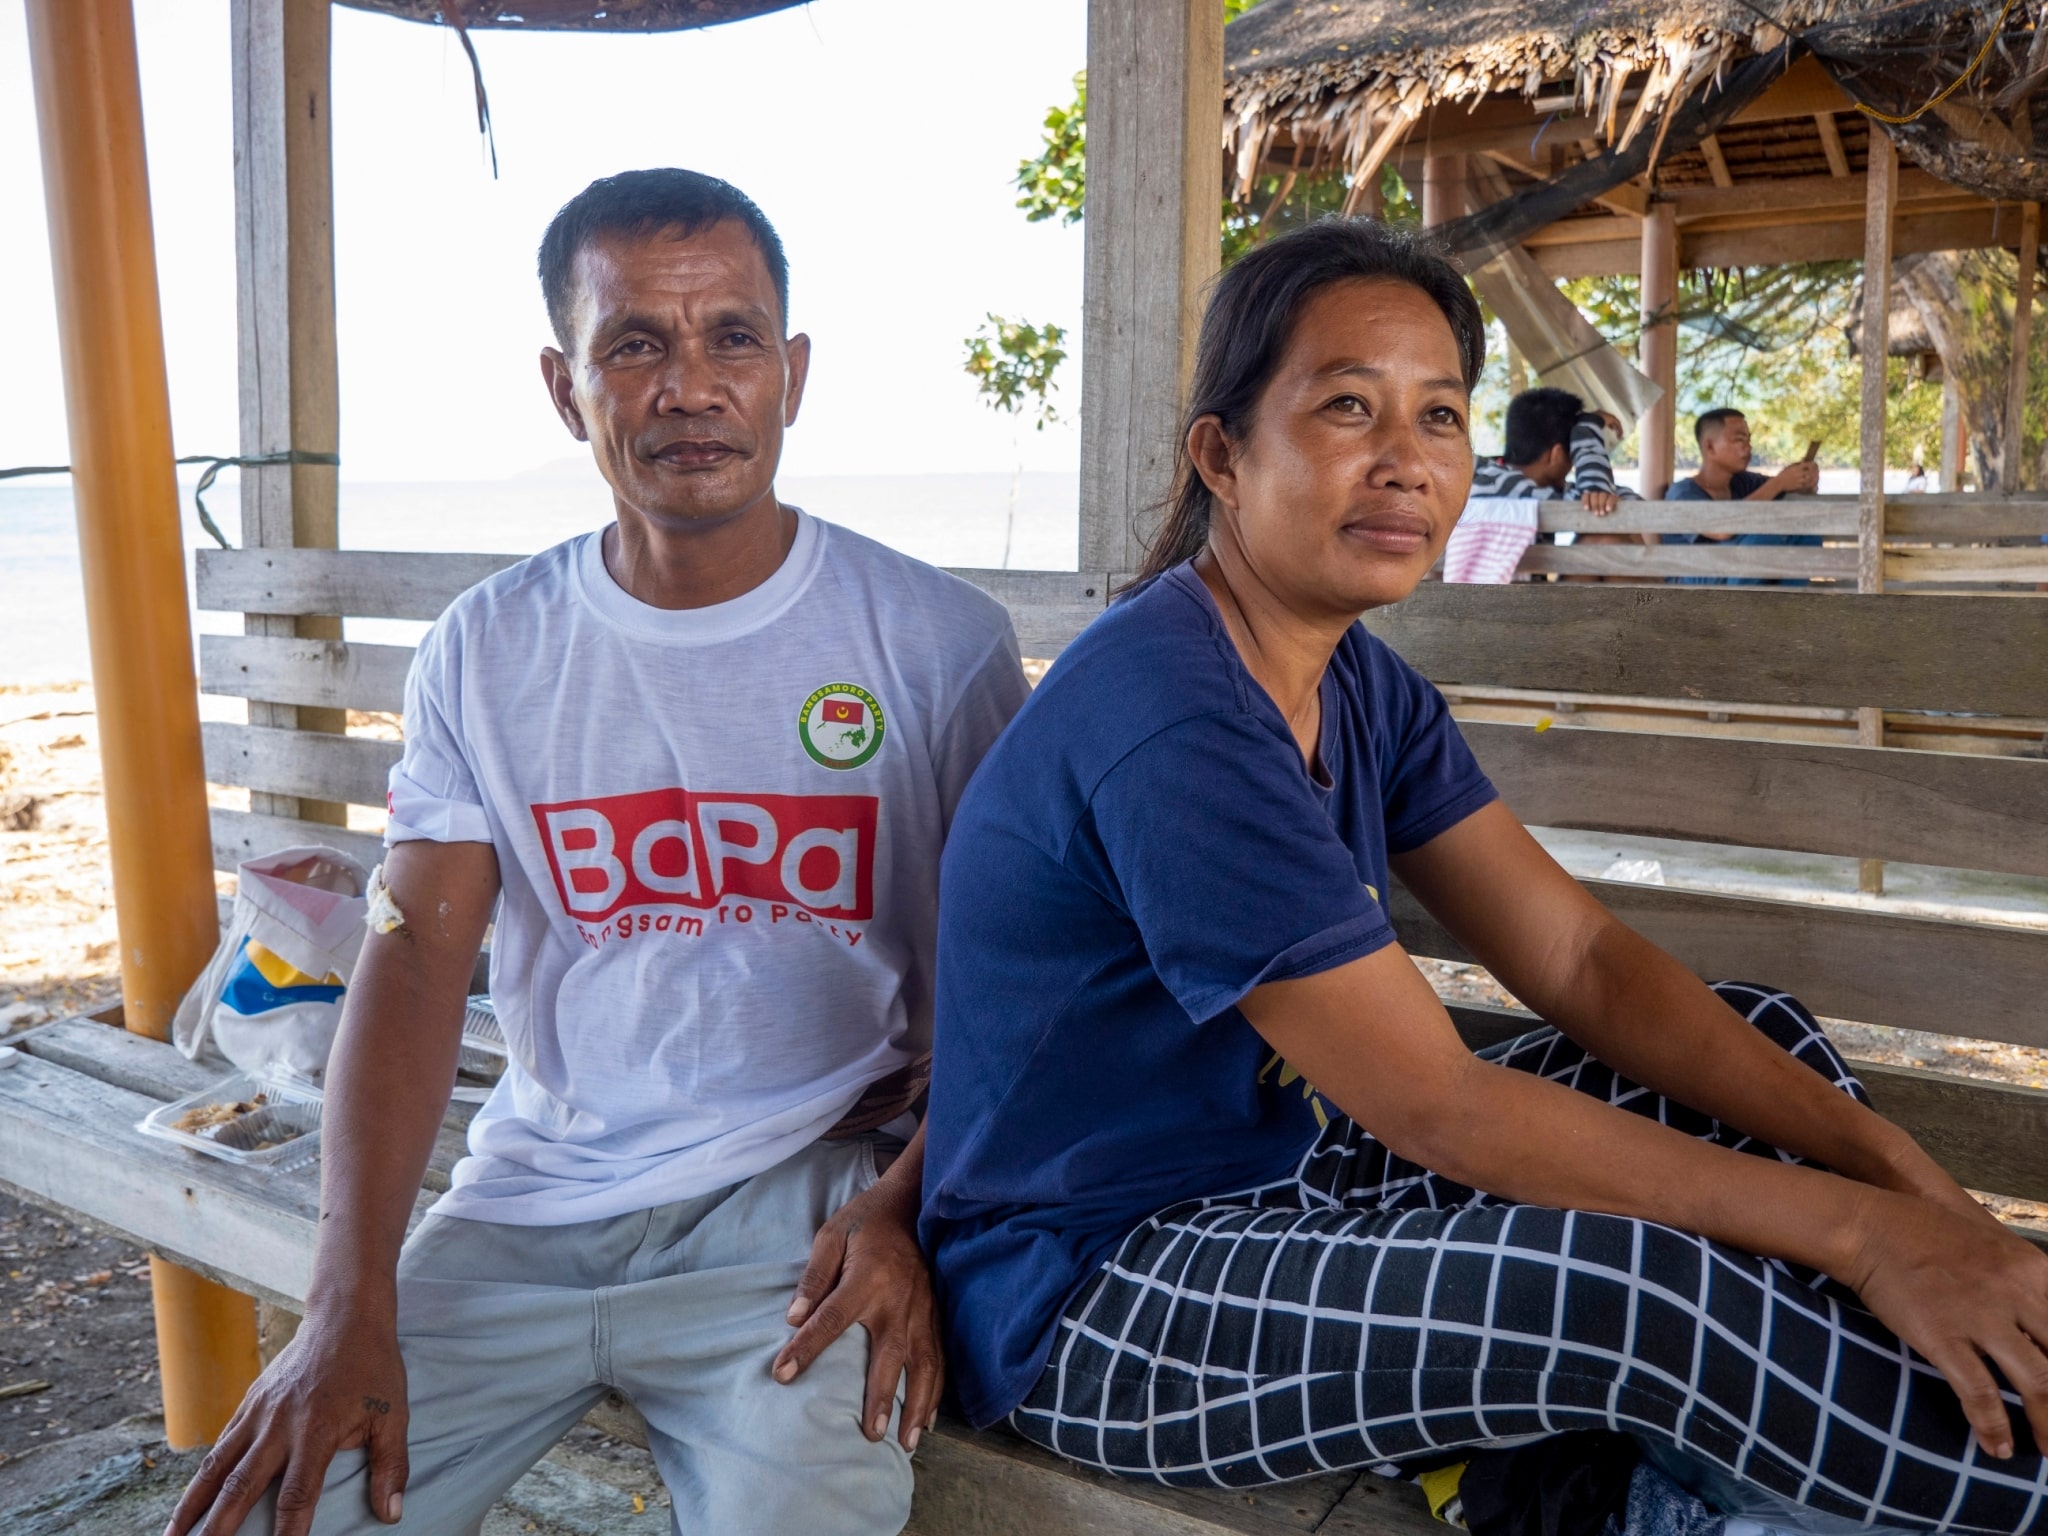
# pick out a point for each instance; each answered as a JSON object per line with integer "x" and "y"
{"x": 271, "y": 1122}
{"x": 483, "y": 1042}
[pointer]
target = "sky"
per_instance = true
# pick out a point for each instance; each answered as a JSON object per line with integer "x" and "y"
{"x": 880, "y": 136}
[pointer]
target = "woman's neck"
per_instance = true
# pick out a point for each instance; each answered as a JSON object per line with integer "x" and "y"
{"x": 1286, "y": 652}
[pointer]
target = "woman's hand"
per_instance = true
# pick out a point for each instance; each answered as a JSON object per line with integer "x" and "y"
{"x": 1961, "y": 1291}
{"x": 866, "y": 1267}
{"x": 337, "y": 1385}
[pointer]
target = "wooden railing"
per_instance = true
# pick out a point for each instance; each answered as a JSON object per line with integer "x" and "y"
{"x": 1931, "y": 542}
{"x": 1768, "y": 649}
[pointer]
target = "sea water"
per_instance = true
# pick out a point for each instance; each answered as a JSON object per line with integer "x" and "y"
{"x": 951, "y": 520}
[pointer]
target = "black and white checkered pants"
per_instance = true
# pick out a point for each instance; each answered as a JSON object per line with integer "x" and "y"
{"x": 1367, "y": 1310}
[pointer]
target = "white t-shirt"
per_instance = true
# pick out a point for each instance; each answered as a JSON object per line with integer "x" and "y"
{"x": 718, "y": 831}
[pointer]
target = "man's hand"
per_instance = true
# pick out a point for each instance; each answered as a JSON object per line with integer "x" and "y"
{"x": 1800, "y": 479}
{"x": 335, "y": 1387}
{"x": 867, "y": 1268}
{"x": 1600, "y": 503}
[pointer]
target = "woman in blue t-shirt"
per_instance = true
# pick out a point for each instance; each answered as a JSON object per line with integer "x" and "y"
{"x": 1206, "y": 1159}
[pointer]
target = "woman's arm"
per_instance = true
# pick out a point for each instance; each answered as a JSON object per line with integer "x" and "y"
{"x": 1581, "y": 969}
{"x": 1374, "y": 1039}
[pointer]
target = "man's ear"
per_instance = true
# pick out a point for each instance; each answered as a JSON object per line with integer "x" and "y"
{"x": 798, "y": 350}
{"x": 554, "y": 371}
{"x": 1214, "y": 462}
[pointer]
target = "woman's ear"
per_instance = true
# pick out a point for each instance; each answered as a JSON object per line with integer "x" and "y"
{"x": 1214, "y": 460}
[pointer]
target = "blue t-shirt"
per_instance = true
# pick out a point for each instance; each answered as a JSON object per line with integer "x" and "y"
{"x": 1140, "y": 849}
{"x": 1743, "y": 484}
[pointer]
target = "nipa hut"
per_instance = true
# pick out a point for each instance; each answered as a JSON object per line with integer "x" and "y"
{"x": 1554, "y": 140}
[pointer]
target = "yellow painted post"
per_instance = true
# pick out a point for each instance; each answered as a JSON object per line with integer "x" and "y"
{"x": 96, "y": 182}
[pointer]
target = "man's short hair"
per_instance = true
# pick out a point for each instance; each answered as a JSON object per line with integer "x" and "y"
{"x": 1714, "y": 421}
{"x": 641, "y": 203}
{"x": 1539, "y": 420}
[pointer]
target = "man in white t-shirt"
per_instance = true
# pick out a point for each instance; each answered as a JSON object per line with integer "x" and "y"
{"x": 702, "y": 762}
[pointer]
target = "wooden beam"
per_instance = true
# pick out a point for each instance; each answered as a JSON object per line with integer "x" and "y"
{"x": 1443, "y": 189}
{"x": 1717, "y": 163}
{"x": 1659, "y": 347}
{"x": 324, "y": 674}
{"x": 1764, "y": 562}
{"x": 1975, "y": 228}
{"x": 1982, "y": 979}
{"x": 1832, "y": 518}
{"x": 2026, "y": 564}
{"x": 2013, "y": 472}
{"x": 1951, "y": 477}
{"x": 1877, "y": 294}
{"x": 1585, "y": 231}
{"x": 311, "y": 764}
{"x": 284, "y": 270}
{"x": 1955, "y": 809}
{"x": 1048, "y": 608}
{"x": 1879, "y": 213}
{"x": 1810, "y": 199}
{"x": 1591, "y": 251}
{"x": 1155, "y": 161}
{"x": 1831, "y": 144}
{"x": 1627, "y": 198}
{"x": 1903, "y": 652}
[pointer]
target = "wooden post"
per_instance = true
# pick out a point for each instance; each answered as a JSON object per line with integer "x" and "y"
{"x": 1877, "y": 291}
{"x": 1659, "y": 351}
{"x": 1152, "y": 243}
{"x": 1951, "y": 477}
{"x": 284, "y": 270}
{"x": 1443, "y": 189}
{"x": 117, "y": 401}
{"x": 2012, "y": 473}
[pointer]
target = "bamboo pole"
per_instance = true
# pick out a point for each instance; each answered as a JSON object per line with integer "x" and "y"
{"x": 96, "y": 183}
{"x": 1876, "y": 338}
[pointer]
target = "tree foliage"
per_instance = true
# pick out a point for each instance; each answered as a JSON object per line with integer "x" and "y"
{"x": 1013, "y": 364}
{"x": 1773, "y": 343}
{"x": 1053, "y": 180}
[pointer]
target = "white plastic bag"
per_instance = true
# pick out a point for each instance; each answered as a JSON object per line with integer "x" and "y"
{"x": 271, "y": 996}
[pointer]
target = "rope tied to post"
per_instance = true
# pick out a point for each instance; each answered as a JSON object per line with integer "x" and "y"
{"x": 214, "y": 463}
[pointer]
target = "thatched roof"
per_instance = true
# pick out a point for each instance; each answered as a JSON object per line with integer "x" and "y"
{"x": 575, "y": 15}
{"x": 1348, "y": 78}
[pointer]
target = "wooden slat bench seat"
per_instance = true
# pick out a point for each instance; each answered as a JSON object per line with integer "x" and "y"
{"x": 67, "y": 1140}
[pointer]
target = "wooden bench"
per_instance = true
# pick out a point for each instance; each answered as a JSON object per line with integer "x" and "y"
{"x": 66, "y": 1112}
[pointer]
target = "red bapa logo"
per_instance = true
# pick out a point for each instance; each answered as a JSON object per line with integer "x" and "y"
{"x": 675, "y": 847}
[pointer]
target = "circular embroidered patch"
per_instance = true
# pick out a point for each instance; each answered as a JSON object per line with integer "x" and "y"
{"x": 840, "y": 725}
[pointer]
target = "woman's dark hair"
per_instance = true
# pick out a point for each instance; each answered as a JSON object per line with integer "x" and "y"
{"x": 1245, "y": 330}
{"x": 643, "y": 203}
